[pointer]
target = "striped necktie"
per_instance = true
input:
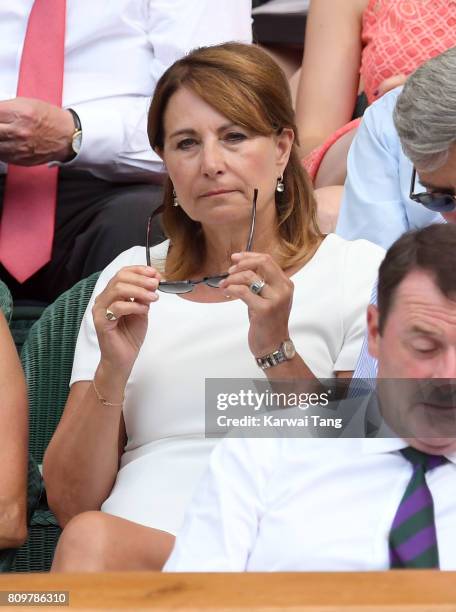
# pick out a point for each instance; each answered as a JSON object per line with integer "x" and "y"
{"x": 413, "y": 538}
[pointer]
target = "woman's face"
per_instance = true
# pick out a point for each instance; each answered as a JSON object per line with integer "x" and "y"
{"x": 215, "y": 165}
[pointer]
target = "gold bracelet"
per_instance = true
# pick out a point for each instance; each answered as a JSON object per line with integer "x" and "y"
{"x": 102, "y": 399}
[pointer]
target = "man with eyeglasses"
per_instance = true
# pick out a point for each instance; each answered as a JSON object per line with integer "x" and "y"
{"x": 406, "y": 138}
{"x": 380, "y": 199}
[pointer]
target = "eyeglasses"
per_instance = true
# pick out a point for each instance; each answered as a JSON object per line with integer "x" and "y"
{"x": 433, "y": 200}
{"x": 186, "y": 286}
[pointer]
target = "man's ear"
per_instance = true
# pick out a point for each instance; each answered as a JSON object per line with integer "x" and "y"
{"x": 373, "y": 334}
{"x": 284, "y": 142}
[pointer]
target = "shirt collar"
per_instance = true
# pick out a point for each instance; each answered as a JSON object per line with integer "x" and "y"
{"x": 373, "y": 446}
{"x": 385, "y": 441}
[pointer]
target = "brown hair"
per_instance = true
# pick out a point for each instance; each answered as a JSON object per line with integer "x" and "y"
{"x": 245, "y": 85}
{"x": 432, "y": 249}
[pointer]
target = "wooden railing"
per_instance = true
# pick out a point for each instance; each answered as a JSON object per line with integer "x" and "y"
{"x": 398, "y": 591}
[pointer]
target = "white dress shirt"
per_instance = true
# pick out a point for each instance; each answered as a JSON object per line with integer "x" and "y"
{"x": 305, "y": 505}
{"x": 115, "y": 52}
{"x": 376, "y": 204}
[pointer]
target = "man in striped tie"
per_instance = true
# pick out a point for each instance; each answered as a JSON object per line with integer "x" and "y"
{"x": 353, "y": 503}
{"x": 411, "y": 334}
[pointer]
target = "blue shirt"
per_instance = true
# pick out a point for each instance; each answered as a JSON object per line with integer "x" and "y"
{"x": 376, "y": 204}
{"x": 366, "y": 366}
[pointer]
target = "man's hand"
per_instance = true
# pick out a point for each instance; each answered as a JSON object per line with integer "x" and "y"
{"x": 34, "y": 132}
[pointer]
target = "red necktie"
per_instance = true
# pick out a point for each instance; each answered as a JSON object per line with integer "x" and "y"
{"x": 27, "y": 225}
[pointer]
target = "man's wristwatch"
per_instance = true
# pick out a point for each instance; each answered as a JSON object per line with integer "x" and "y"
{"x": 285, "y": 352}
{"x": 76, "y": 138}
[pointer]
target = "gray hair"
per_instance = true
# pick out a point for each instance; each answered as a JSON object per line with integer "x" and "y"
{"x": 425, "y": 113}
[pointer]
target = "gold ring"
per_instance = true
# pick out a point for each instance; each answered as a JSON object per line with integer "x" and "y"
{"x": 110, "y": 315}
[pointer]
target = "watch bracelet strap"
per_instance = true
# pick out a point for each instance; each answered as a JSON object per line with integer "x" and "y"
{"x": 271, "y": 360}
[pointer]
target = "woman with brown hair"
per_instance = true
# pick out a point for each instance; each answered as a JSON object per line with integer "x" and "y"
{"x": 271, "y": 297}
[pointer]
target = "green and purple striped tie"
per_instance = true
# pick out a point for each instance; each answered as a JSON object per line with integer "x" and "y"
{"x": 413, "y": 538}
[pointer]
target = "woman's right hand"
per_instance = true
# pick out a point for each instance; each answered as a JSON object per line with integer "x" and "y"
{"x": 128, "y": 296}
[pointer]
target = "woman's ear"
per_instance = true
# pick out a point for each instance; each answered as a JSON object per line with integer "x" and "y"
{"x": 284, "y": 142}
{"x": 159, "y": 152}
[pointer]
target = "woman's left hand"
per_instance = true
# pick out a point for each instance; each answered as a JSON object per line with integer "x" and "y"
{"x": 269, "y": 310}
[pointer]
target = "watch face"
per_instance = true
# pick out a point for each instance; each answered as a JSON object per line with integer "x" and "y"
{"x": 288, "y": 349}
{"x": 76, "y": 142}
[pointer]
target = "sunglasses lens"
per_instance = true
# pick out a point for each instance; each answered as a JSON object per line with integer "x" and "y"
{"x": 437, "y": 202}
{"x": 175, "y": 287}
{"x": 214, "y": 281}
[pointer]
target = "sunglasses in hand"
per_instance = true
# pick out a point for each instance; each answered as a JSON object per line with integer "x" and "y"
{"x": 185, "y": 286}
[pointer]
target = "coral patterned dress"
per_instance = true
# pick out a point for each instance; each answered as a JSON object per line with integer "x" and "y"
{"x": 398, "y": 36}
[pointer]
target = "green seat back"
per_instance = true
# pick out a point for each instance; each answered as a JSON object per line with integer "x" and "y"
{"x": 6, "y": 301}
{"x": 47, "y": 358}
{"x": 37, "y": 553}
{"x": 22, "y": 319}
